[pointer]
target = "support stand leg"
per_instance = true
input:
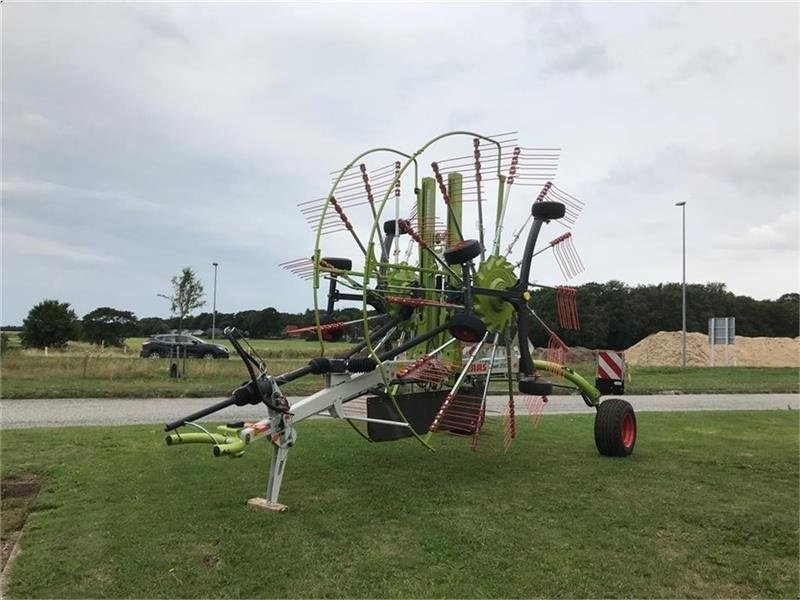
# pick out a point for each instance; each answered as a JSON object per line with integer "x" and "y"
{"x": 278, "y": 462}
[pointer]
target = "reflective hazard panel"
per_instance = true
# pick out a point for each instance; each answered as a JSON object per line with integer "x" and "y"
{"x": 610, "y": 372}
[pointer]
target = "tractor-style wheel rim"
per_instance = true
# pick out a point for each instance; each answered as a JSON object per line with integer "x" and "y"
{"x": 465, "y": 334}
{"x": 628, "y": 430}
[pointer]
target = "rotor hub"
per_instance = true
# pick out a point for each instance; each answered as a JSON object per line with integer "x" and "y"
{"x": 495, "y": 273}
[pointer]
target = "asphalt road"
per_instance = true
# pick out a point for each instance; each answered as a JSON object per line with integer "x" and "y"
{"x": 70, "y": 412}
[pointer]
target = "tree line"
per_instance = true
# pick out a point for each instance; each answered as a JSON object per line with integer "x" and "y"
{"x": 612, "y": 315}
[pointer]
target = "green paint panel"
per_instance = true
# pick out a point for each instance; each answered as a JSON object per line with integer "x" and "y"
{"x": 454, "y": 214}
{"x": 455, "y": 188}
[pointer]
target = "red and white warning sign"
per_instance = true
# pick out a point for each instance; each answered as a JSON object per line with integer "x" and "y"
{"x": 610, "y": 365}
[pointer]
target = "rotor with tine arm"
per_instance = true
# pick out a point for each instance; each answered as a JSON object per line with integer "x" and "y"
{"x": 434, "y": 335}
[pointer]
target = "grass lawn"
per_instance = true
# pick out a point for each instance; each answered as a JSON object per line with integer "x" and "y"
{"x": 707, "y": 506}
{"x": 707, "y": 380}
{"x": 111, "y": 377}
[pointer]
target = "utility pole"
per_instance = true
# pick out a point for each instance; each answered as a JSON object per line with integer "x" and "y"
{"x": 214, "y": 309}
{"x": 683, "y": 285}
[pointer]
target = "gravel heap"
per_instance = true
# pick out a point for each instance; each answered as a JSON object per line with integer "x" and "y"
{"x": 665, "y": 349}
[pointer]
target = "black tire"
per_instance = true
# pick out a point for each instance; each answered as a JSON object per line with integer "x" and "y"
{"x": 462, "y": 252}
{"x": 389, "y": 229}
{"x": 535, "y": 386}
{"x": 615, "y": 428}
{"x": 466, "y": 328}
{"x": 209, "y": 356}
{"x": 548, "y": 211}
{"x": 342, "y": 264}
{"x": 154, "y": 354}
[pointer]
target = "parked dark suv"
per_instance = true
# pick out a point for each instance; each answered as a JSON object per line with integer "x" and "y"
{"x": 169, "y": 344}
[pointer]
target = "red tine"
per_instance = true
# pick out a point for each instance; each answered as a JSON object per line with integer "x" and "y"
{"x": 536, "y": 405}
{"x": 512, "y": 171}
{"x": 410, "y": 301}
{"x": 440, "y": 180}
{"x": 545, "y": 189}
{"x": 460, "y": 413}
{"x": 566, "y": 303}
{"x": 367, "y": 186}
{"x": 556, "y": 350}
{"x": 510, "y": 428}
{"x": 327, "y": 327}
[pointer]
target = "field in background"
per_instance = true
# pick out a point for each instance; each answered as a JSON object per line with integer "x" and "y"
{"x": 706, "y": 507}
{"x": 70, "y": 376}
{"x": 288, "y": 348}
{"x": 85, "y": 371}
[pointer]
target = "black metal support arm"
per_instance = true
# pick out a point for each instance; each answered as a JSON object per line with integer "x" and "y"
{"x": 520, "y": 304}
{"x": 248, "y": 393}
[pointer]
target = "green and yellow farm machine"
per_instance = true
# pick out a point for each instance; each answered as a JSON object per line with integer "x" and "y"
{"x": 446, "y": 318}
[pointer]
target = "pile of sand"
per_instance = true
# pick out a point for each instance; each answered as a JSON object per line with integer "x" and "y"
{"x": 665, "y": 349}
{"x": 575, "y": 354}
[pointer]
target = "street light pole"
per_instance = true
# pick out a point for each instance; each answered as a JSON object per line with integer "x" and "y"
{"x": 683, "y": 285}
{"x": 171, "y": 300}
{"x": 214, "y": 313}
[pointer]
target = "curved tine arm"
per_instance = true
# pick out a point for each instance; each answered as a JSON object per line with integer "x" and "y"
{"x": 527, "y": 257}
{"x": 523, "y": 319}
{"x": 324, "y": 212}
{"x": 523, "y": 331}
{"x": 590, "y": 394}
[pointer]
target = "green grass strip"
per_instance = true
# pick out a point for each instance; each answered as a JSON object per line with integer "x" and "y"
{"x": 707, "y": 506}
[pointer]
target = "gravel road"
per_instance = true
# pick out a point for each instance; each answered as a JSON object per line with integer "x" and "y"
{"x": 128, "y": 411}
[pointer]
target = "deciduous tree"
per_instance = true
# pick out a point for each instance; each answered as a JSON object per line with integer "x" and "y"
{"x": 187, "y": 294}
{"x": 49, "y": 324}
{"x": 109, "y": 326}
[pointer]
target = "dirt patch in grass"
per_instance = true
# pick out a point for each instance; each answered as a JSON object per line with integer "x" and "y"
{"x": 211, "y": 557}
{"x": 16, "y": 496}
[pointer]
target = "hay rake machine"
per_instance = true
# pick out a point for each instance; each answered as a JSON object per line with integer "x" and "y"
{"x": 442, "y": 303}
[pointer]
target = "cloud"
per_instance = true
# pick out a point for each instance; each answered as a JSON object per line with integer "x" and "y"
{"x": 591, "y": 59}
{"x": 35, "y": 246}
{"x": 43, "y": 191}
{"x": 710, "y": 61}
{"x": 567, "y": 41}
{"x": 161, "y": 26}
{"x": 744, "y": 176}
{"x": 782, "y": 233}
{"x": 185, "y": 134}
{"x": 705, "y": 63}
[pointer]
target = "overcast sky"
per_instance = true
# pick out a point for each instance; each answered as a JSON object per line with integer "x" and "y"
{"x": 141, "y": 138}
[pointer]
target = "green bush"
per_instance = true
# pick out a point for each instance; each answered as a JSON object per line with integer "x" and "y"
{"x": 109, "y": 326}
{"x": 49, "y": 324}
{"x": 5, "y": 343}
